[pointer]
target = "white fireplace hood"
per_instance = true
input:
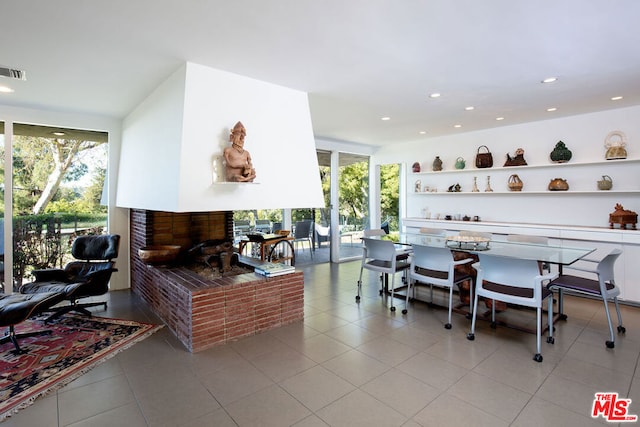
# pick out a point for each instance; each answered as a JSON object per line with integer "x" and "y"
{"x": 172, "y": 144}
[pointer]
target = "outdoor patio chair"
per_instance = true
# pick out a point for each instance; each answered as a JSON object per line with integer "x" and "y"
{"x": 301, "y": 234}
{"x": 263, "y": 225}
{"x": 323, "y": 234}
{"x": 241, "y": 227}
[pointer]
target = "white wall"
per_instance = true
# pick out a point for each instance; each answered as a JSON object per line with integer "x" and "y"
{"x": 173, "y": 144}
{"x": 118, "y": 218}
{"x": 152, "y": 133}
{"x": 584, "y": 135}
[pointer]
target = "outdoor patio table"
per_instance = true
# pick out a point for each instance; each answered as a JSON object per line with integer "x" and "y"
{"x": 269, "y": 247}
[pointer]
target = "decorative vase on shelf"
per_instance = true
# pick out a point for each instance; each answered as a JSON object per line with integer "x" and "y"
{"x": 475, "y": 189}
{"x": 558, "y": 184}
{"x": 606, "y": 183}
{"x": 437, "y": 164}
{"x": 615, "y": 142}
{"x": 488, "y": 188}
{"x": 560, "y": 153}
{"x": 416, "y": 167}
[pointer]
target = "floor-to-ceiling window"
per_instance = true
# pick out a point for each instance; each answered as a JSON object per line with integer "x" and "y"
{"x": 58, "y": 186}
{"x": 353, "y": 203}
{"x": 390, "y": 197}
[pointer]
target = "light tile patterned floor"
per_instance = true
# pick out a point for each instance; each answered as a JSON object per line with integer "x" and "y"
{"x": 354, "y": 364}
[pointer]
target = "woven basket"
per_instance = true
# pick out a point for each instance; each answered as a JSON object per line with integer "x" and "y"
{"x": 515, "y": 183}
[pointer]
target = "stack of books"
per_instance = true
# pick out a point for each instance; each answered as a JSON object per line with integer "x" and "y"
{"x": 274, "y": 269}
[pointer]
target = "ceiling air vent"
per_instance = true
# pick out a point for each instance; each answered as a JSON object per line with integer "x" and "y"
{"x": 12, "y": 73}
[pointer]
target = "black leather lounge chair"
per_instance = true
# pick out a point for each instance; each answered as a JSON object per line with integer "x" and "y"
{"x": 16, "y": 308}
{"x": 91, "y": 274}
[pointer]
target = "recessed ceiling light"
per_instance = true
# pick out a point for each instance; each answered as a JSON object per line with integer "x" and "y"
{"x": 58, "y": 133}
{"x": 549, "y": 80}
{"x": 499, "y": 118}
{"x": 385, "y": 118}
{"x": 434, "y": 95}
{"x": 5, "y": 89}
{"x": 457, "y": 126}
{"x": 469, "y": 108}
{"x": 616, "y": 98}
{"x": 423, "y": 132}
{"x": 551, "y": 109}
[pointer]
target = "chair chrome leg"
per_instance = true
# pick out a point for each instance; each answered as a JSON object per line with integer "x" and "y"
{"x": 621, "y": 328}
{"x": 406, "y": 303}
{"x": 538, "y": 334}
{"x": 612, "y": 342}
{"x": 393, "y": 285}
{"x": 471, "y": 335}
{"x": 448, "y": 324}
{"x": 550, "y": 338}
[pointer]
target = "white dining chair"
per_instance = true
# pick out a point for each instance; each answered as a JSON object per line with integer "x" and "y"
{"x": 381, "y": 256}
{"x": 436, "y": 266}
{"x": 513, "y": 281}
{"x": 603, "y": 286}
{"x": 527, "y": 238}
{"x": 373, "y": 232}
{"x": 377, "y": 232}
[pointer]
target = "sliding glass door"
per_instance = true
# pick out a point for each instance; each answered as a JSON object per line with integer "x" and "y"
{"x": 353, "y": 203}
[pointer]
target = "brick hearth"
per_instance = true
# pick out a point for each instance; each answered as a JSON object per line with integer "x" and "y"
{"x": 203, "y": 313}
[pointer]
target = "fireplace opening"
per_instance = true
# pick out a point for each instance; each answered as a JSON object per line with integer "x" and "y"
{"x": 213, "y": 259}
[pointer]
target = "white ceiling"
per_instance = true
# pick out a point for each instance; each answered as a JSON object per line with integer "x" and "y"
{"x": 359, "y": 60}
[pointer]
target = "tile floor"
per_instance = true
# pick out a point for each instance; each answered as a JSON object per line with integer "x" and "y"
{"x": 354, "y": 364}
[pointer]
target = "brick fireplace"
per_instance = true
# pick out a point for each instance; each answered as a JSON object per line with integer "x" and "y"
{"x": 200, "y": 312}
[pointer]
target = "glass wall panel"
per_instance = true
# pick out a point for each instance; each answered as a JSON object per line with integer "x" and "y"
{"x": 390, "y": 197}
{"x": 353, "y": 203}
{"x": 58, "y": 183}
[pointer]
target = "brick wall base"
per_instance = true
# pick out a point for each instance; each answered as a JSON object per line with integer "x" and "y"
{"x": 203, "y": 313}
{"x": 200, "y": 312}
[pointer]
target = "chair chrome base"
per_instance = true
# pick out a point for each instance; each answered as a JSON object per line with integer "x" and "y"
{"x": 13, "y": 337}
{"x": 78, "y": 308}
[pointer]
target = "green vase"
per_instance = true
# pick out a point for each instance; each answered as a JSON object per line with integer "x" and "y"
{"x": 560, "y": 153}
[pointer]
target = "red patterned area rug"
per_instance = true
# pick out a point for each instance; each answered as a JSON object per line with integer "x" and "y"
{"x": 76, "y": 344}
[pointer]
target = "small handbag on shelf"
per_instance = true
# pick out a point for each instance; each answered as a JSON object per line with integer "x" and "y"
{"x": 484, "y": 160}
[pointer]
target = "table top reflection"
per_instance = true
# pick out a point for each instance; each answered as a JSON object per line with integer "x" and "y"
{"x": 560, "y": 255}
